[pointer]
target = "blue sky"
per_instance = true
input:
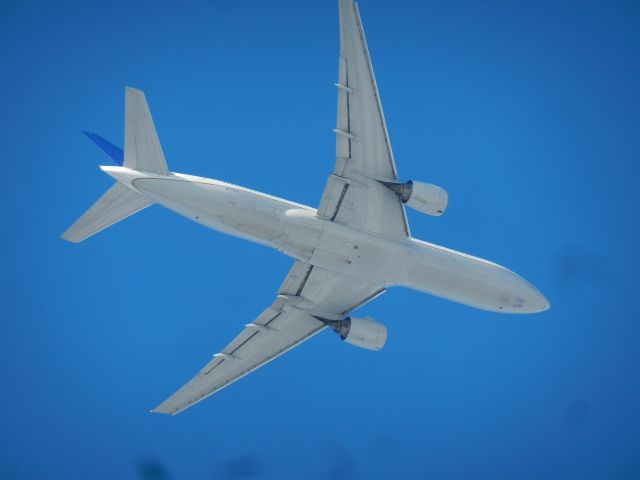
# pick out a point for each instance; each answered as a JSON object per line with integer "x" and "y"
{"x": 527, "y": 113}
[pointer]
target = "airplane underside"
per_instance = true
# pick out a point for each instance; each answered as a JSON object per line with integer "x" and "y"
{"x": 298, "y": 232}
{"x": 348, "y": 251}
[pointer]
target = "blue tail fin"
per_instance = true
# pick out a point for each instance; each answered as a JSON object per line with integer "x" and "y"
{"x": 115, "y": 153}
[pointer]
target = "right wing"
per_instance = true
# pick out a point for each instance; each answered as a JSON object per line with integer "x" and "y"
{"x": 353, "y": 195}
{"x": 306, "y": 291}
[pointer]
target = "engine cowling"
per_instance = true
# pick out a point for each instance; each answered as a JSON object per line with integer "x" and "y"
{"x": 423, "y": 197}
{"x": 361, "y": 332}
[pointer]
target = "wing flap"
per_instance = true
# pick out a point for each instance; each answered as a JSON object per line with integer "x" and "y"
{"x": 334, "y": 194}
{"x": 324, "y": 291}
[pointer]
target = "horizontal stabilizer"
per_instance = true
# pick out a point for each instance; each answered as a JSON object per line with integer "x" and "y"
{"x": 117, "y": 204}
{"x": 114, "y": 152}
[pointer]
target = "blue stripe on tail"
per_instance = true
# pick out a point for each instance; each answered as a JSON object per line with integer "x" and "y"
{"x": 115, "y": 153}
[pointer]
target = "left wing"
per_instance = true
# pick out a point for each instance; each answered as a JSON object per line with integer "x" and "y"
{"x": 270, "y": 335}
{"x": 306, "y": 291}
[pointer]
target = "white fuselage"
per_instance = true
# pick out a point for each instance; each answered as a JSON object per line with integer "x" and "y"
{"x": 295, "y": 230}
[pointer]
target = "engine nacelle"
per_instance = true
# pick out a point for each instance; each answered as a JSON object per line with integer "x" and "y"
{"x": 361, "y": 332}
{"x": 423, "y": 197}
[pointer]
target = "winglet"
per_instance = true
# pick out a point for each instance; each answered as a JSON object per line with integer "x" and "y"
{"x": 113, "y": 152}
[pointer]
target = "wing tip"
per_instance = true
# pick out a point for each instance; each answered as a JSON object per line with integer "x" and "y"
{"x": 162, "y": 410}
{"x": 69, "y": 238}
{"x": 158, "y": 411}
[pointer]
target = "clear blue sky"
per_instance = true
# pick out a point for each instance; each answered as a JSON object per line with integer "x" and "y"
{"x": 527, "y": 113}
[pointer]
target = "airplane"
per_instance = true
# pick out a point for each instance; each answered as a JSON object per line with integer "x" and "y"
{"x": 346, "y": 253}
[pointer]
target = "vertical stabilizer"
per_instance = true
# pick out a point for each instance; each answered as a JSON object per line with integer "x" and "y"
{"x": 142, "y": 150}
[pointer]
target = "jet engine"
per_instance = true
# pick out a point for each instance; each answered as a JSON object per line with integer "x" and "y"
{"x": 361, "y": 332}
{"x": 423, "y": 197}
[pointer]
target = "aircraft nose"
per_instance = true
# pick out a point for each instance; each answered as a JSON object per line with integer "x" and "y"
{"x": 539, "y": 303}
{"x": 527, "y": 298}
{"x": 534, "y": 301}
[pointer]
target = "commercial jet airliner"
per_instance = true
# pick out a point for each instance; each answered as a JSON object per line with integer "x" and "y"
{"x": 346, "y": 252}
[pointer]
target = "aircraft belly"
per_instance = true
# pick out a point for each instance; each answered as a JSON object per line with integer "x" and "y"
{"x": 217, "y": 206}
{"x": 469, "y": 280}
{"x": 299, "y": 233}
{"x": 358, "y": 254}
